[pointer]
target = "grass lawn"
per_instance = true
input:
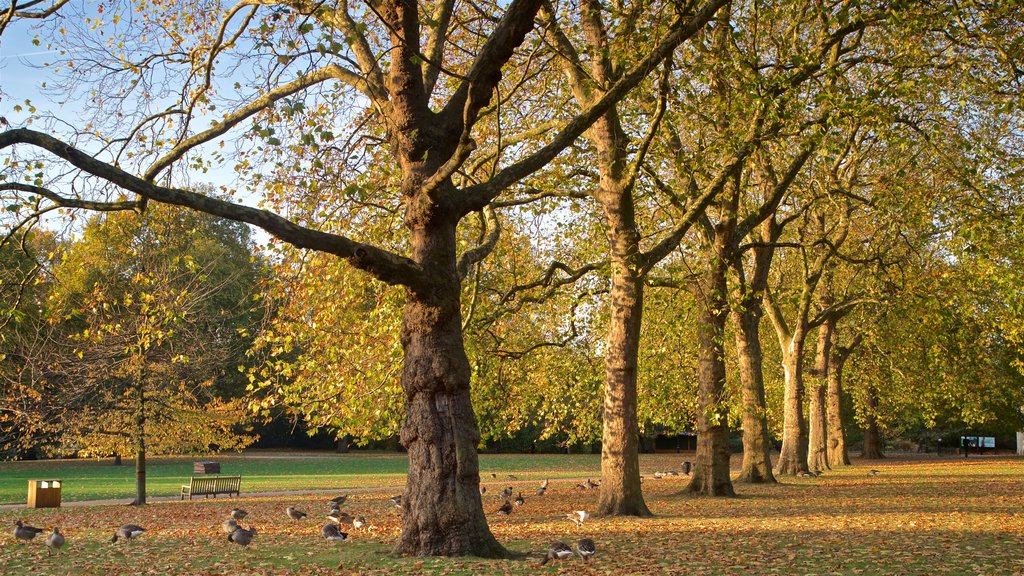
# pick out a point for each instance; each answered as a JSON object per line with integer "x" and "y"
{"x": 926, "y": 517}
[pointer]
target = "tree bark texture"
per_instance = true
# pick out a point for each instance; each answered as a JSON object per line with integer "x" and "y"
{"x": 443, "y": 513}
{"x": 838, "y": 454}
{"x": 140, "y": 444}
{"x": 793, "y": 455}
{"x": 711, "y": 472}
{"x": 817, "y": 455}
{"x": 872, "y": 437}
{"x": 746, "y": 319}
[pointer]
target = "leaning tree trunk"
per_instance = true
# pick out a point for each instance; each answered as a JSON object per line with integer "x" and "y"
{"x": 793, "y": 455}
{"x": 757, "y": 463}
{"x": 443, "y": 513}
{"x": 872, "y": 438}
{"x": 711, "y": 474}
{"x": 838, "y": 455}
{"x": 140, "y": 444}
{"x": 817, "y": 441}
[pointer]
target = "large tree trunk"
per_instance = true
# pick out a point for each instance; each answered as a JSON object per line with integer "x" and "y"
{"x": 757, "y": 463}
{"x": 140, "y": 445}
{"x": 711, "y": 473}
{"x": 872, "y": 437}
{"x": 793, "y": 455}
{"x": 443, "y": 513}
{"x": 817, "y": 455}
{"x": 620, "y": 462}
{"x": 838, "y": 455}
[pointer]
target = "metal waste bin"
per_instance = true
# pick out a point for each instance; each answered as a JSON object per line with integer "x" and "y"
{"x": 44, "y": 493}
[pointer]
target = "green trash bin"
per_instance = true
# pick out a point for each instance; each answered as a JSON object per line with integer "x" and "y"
{"x": 44, "y": 493}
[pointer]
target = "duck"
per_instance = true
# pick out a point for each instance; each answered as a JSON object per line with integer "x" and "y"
{"x": 339, "y": 500}
{"x": 519, "y": 501}
{"x": 238, "y": 513}
{"x": 331, "y": 533}
{"x": 585, "y": 548}
{"x": 294, "y": 514}
{"x": 557, "y": 551}
{"x": 578, "y": 517}
{"x": 506, "y": 508}
{"x": 229, "y": 525}
{"x": 242, "y": 537}
{"x": 54, "y": 541}
{"x": 25, "y": 532}
{"x": 129, "y": 532}
{"x": 506, "y": 493}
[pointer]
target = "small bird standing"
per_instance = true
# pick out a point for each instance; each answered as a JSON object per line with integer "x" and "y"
{"x": 242, "y": 537}
{"x": 295, "y": 514}
{"x": 331, "y": 533}
{"x": 520, "y": 500}
{"x": 557, "y": 551}
{"x": 578, "y": 516}
{"x": 129, "y": 532}
{"x": 25, "y": 532}
{"x": 238, "y": 513}
{"x": 506, "y": 508}
{"x": 229, "y": 525}
{"x": 586, "y": 548}
{"x": 54, "y": 541}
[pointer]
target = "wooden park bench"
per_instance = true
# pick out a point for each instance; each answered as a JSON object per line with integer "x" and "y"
{"x": 207, "y": 486}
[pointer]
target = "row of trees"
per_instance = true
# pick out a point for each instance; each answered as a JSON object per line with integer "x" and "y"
{"x": 522, "y": 176}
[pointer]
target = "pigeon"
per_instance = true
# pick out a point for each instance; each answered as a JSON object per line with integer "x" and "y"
{"x": 396, "y": 500}
{"x": 506, "y": 508}
{"x": 295, "y": 514}
{"x": 558, "y": 551}
{"x": 54, "y": 541}
{"x": 331, "y": 533}
{"x": 339, "y": 500}
{"x": 238, "y": 513}
{"x": 25, "y": 532}
{"x": 229, "y": 525}
{"x": 242, "y": 537}
{"x": 586, "y": 548}
{"x": 519, "y": 501}
{"x": 506, "y": 493}
{"x": 578, "y": 517}
{"x": 129, "y": 532}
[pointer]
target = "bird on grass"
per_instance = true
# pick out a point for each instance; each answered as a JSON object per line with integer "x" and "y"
{"x": 578, "y": 517}
{"x": 229, "y": 525}
{"x": 331, "y": 533}
{"x": 238, "y": 513}
{"x": 54, "y": 541}
{"x": 295, "y": 514}
{"x": 129, "y": 532}
{"x": 544, "y": 484}
{"x": 506, "y": 508}
{"x": 339, "y": 517}
{"x": 396, "y": 500}
{"x": 541, "y": 490}
{"x": 506, "y": 493}
{"x": 519, "y": 501}
{"x": 359, "y": 522}
{"x": 873, "y": 472}
{"x": 591, "y": 484}
{"x": 339, "y": 500}
{"x": 494, "y": 475}
{"x": 25, "y": 532}
{"x": 513, "y": 477}
{"x": 483, "y": 490}
{"x": 242, "y": 537}
{"x": 817, "y": 473}
{"x": 586, "y": 548}
{"x": 557, "y": 551}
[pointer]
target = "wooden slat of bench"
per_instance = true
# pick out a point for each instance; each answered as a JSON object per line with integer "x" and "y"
{"x": 212, "y": 486}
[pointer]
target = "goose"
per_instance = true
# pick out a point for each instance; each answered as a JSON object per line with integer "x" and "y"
{"x": 540, "y": 491}
{"x": 242, "y": 537}
{"x": 238, "y": 513}
{"x": 586, "y": 548}
{"x": 557, "y": 551}
{"x": 339, "y": 517}
{"x": 54, "y": 541}
{"x": 506, "y": 493}
{"x": 129, "y": 532}
{"x": 494, "y": 475}
{"x": 359, "y": 522}
{"x": 520, "y": 500}
{"x": 339, "y": 500}
{"x": 506, "y": 508}
{"x": 578, "y": 517}
{"x": 396, "y": 500}
{"x": 229, "y": 525}
{"x": 873, "y": 472}
{"x": 483, "y": 490}
{"x": 331, "y": 533}
{"x": 25, "y": 532}
{"x": 294, "y": 514}
{"x": 544, "y": 484}
{"x": 591, "y": 484}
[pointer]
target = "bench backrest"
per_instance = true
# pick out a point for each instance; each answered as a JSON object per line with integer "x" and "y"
{"x": 216, "y": 484}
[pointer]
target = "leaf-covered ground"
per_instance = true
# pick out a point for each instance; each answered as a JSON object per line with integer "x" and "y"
{"x": 947, "y": 516}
